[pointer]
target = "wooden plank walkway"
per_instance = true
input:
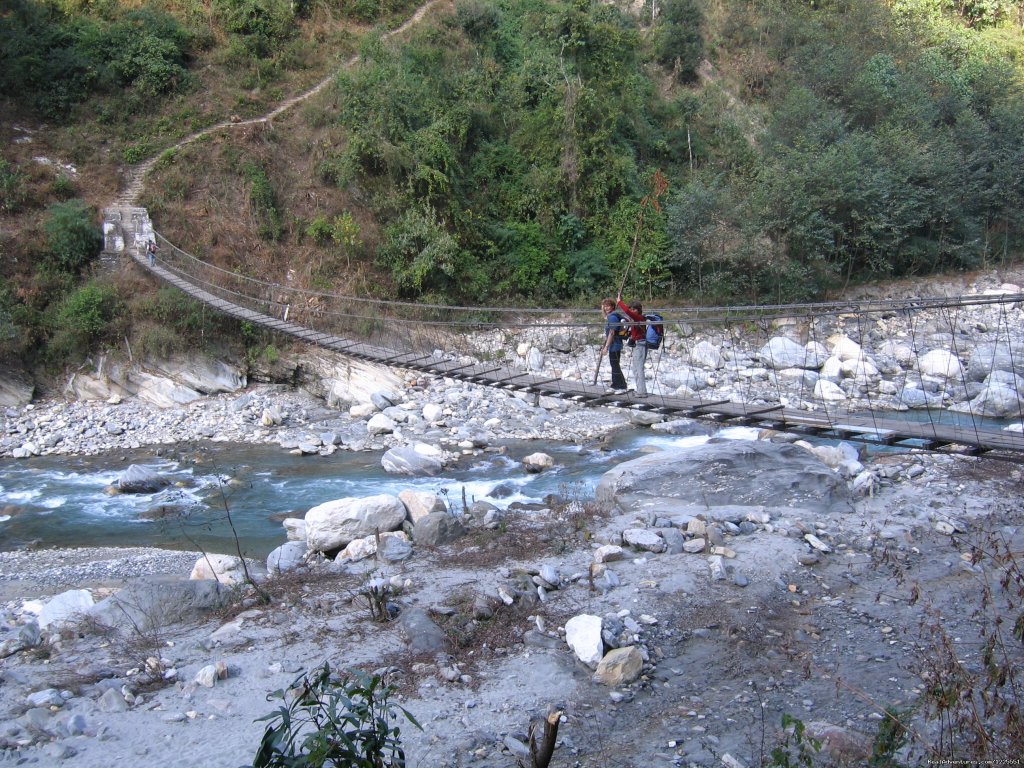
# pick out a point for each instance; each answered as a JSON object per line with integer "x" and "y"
{"x": 881, "y": 428}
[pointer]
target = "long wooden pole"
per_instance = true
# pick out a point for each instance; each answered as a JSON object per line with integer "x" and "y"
{"x": 660, "y": 185}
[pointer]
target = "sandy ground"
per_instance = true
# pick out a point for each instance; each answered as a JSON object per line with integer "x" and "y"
{"x": 834, "y": 642}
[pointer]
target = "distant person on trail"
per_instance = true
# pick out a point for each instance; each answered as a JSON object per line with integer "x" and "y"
{"x": 638, "y": 341}
{"x": 613, "y": 335}
{"x": 151, "y": 249}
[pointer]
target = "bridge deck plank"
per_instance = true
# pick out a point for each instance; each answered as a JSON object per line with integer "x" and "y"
{"x": 876, "y": 428}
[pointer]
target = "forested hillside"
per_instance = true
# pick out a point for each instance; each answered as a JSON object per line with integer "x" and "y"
{"x": 501, "y": 151}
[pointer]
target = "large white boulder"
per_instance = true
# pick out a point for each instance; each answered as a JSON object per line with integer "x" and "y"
{"x": 379, "y": 424}
{"x": 859, "y": 368}
{"x": 538, "y": 462}
{"x": 287, "y": 557}
{"x": 394, "y": 546}
{"x": 583, "y": 634}
{"x": 227, "y": 569}
{"x": 160, "y": 391}
{"x": 15, "y": 390}
{"x": 432, "y": 413}
{"x": 140, "y": 479}
{"x": 201, "y": 373}
{"x": 1002, "y": 398}
{"x": 644, "y": 539}
{"x": 845, "y": 348}
{"x": 734, "y": 473}
{"x": 940, "y": 363}
{"x": 65, "y": 607}
{"x": 828, "y": 391}
{"x": 1001, "y": 356}
{"x": 781, "y": 352}
{"x": 333, "y": 524}
{"x": 706, "y": 355}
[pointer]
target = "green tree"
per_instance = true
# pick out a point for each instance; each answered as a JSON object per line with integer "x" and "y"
{"x": 681, "y": 37}
{"x": 421, "y": 254}
{"x": 72, "y": 236}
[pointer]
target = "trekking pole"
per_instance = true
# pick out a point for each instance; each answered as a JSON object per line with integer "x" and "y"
{"x": 660, "y": 186}
{"x": 600, "y": 357}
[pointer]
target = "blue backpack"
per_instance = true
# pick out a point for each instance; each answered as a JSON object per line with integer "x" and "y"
{"x": 655, "y": 329}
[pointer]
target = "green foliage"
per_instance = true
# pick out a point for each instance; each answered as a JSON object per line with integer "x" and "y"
{"x": 325, "y": 720}
{"x": 171, "y": 309}
{"x": 341, "y": 230}
{"x": 88, "y": 310}
{"x": 889, "y": 151}
{"x": 681, "y": 40}
{"x": 67, "y": 56}
{"x": 263, "y": 201}
{"x": 136, "y": 153}
{"x": 8, "y": 328}
{"x": 12, "y": 187}
{"x": 423, "y": 256}
{"x": 63, "y": 187}
{"x": 72, "y": 236}
{"x": 258, "y": 23}
{"x": 81, "y": 320}
{"x": 478, "y": 137}
{"x": 890, "y": 738}
{"x": 796, "y": 748}
{"x": 366, "y": 10}
{"x": 167, "y": 159}
{"x": 158, "y": 341}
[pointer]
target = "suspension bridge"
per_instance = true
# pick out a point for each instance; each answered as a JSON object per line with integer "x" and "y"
{"x": 477, "y": 344}
{"x": 473, "y": 343}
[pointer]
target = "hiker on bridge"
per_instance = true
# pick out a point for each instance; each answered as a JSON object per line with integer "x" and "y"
{"x": 614, "y": 332}
{"x": 151, "y": 249}
{"x": 637, "y": 340}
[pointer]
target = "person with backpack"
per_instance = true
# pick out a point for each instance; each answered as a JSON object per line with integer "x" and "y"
{"x": 638, "y": 341}
{"x": 614, "y": 332}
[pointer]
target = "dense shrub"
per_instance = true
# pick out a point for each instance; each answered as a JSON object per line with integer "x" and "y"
{"x": 82, "y": 320}
{"x": 72, "y": 236}
{"x": 259, "y": 23}
{"x": 680, "y": 37}
{"x": 66, "y": 58}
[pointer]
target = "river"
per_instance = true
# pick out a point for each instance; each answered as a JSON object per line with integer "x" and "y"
{"x": 66, "y": 502}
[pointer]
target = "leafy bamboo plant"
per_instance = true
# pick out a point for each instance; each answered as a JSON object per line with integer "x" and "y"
{"x": 331, "y": 720}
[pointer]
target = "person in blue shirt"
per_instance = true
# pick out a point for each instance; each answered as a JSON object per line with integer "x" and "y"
{"x": 613, "y": 343}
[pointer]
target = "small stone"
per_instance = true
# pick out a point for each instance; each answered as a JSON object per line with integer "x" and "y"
{"x": 817, "y": 543}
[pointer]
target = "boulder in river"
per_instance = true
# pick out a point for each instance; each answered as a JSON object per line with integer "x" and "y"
{"x": 414, "y": 460}
{"x": 139, "y": 479}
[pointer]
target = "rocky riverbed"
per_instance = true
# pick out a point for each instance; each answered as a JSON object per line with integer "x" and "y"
{"x": 674, "y": 620}
{"x": 826, "y": 607}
